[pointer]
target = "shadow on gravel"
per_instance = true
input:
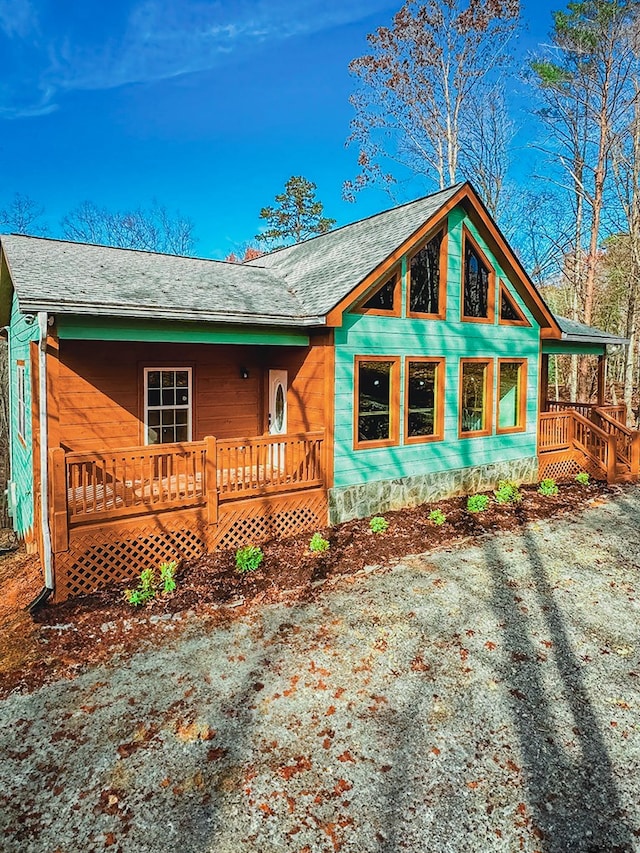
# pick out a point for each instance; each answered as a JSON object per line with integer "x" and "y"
{"x": 574, "y": 798}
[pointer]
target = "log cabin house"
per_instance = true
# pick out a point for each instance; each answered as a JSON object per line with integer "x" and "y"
{"x": 163, "y": 406}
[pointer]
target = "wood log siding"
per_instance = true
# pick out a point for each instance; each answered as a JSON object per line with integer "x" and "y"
{"x": 140, "y": 480}
{"x": 99, "y": 387}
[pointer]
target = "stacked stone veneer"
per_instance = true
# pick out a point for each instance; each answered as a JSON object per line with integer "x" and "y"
{"x": 383, "y": 495}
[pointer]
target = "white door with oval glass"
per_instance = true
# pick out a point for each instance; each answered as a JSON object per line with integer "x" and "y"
{"x": 278, "y": 415}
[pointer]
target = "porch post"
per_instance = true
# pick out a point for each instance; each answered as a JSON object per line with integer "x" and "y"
{"x": 602, "y": 374}
{"x": 544, "y": 382}
{"x": 58, "y": 500}
{"x": 211, "y": 479}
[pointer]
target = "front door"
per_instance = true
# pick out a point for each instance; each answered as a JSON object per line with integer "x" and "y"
{"x": 278, "y": 416}
{"x": 277, "y": 402}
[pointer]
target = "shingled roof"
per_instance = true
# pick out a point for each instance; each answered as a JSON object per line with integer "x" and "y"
{"x": 323, "y": 270}
{"x": 297, "y": 285}
{"x": 78, "y": 278}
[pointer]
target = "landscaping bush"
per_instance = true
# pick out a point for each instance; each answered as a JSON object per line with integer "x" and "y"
{"x": 548, "y": 487}
{"x": 318, "y": 543}
{"x": 582, "y": 478}
{"x": 477, "y": 503}
{"x": 248, "y": 558}
{"x": 507, "y": 493}
{"x": 378, "y": 524}
{"x": 437, "y": 517}
{"x": 168, "y": 576}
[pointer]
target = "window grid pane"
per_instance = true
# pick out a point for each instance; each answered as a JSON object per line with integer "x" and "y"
{"x": 509, "y": 392}
{"x": 425, "y": 278}
{"x": 168, "y": 406}
{"x": 374, "y": 411}
{"x": 421, "y": 398}
{"x": 476, "y": 285}
{"x": 474, "y": 380}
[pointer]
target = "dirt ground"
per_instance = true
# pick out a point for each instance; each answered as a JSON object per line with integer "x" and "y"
{"x": 480, "y": 697}
{"x": 35, "y": 650}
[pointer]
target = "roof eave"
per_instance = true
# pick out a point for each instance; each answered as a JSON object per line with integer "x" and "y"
{"x": 594, "y": 339}
{"x": 151, "y": 313}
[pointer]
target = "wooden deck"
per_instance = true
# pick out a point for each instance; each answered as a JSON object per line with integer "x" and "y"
{"x": 115, "y": 511}
{"x": 595, "y": 438}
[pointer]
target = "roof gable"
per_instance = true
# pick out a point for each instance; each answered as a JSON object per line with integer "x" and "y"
{"x": 306, "y": 284}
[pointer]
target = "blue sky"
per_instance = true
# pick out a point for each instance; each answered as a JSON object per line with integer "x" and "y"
{"x": 206, "y": 106}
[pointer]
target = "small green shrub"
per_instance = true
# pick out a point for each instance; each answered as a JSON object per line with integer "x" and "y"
{"x": 548, "y": 487}
{"x": 507, "y": 493}
{"x": 582, "y": 478}
{"x": 437, "y": 517}
{"x": 378, "y": 524}
{"x": 168, "y": 576}
{"x": 145, "y": 591}
{"x": 248, "y": 558}
{"x": 477, "y": 503}
{"x": 318, "y": 543}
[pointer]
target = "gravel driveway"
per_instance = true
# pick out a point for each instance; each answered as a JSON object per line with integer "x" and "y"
{"x": 480, "y": 699}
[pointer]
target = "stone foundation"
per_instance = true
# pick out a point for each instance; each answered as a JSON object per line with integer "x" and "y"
{"x": 383, "y": 495}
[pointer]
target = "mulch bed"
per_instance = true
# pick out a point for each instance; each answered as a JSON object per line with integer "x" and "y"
{"x": 61, "y": 639}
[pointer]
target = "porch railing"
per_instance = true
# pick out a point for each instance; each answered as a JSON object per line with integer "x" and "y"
{"x": 569, "y": 429}
{"x": 121, "y": 482}
{"x": 627, "y": 440}
{"x": 618, "y": 412}
{"x": 97, "y": 486}
{"x": 268, "y": 464}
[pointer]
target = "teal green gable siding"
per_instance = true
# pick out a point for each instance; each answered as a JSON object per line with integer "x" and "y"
{"x": 20, "y": 335}
{"x": 453, "y": 340}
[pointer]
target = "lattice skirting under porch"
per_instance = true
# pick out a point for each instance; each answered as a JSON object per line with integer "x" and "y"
{"x": 563, "y": 465}
{"x": 115, "y": 553}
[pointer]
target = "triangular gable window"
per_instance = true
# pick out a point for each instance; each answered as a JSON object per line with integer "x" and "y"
{"x": 384, "y": 300}
{"x": 510, "y": 312}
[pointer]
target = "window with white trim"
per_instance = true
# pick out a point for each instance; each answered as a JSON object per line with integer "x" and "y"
{"x": 21, "y": 402}
{"x": 167, "y": 404}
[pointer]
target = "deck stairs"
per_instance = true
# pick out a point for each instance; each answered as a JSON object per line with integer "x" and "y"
{"x": 595, "y": 438}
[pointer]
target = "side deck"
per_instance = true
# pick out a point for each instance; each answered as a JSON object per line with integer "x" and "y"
{"x": 575, "y": 437}
{"x": 115, "y": 512}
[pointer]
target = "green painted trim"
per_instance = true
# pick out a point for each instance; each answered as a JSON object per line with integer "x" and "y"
{"x": 74, "y": 327}
{"x": 572, "y": 348}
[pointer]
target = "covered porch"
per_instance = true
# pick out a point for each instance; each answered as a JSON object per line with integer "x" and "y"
{"x": 166, "y": 441}
{"x": 590, "y": 436}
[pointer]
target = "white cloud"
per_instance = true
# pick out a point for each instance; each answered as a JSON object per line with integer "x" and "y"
{"x": 18, "y": 18}
{"x": 167, "y": 39}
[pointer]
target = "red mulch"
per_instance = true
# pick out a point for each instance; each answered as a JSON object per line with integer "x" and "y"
{"x": 61, "y": 639}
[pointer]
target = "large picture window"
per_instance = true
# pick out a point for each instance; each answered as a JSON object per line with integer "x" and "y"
{"x": 21, "y": 402}
{"x": 426, "y": 291}
{"x": 512, "y": 394}
{"x": 167, "y": 410}
{"x": 376, "y": 401}
{"x": 478, "y": 284}
{"x": 476, "y": 380}
{"x": 424, "y": 404}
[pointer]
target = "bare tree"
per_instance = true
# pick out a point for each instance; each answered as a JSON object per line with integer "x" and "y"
{"x": 154, "y": 230}
{"x": 22, "y": 216}
{"x": 587, "y": 97}
{"x": 422, "y": 89}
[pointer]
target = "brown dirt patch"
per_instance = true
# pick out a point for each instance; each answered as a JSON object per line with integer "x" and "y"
{"x": 60, "y": 640}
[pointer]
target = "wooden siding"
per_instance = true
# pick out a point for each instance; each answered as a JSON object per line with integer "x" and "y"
{"x": 21, "y": 452}
{"x": 100, "y": 389}
{"x": 452, "y": 339}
